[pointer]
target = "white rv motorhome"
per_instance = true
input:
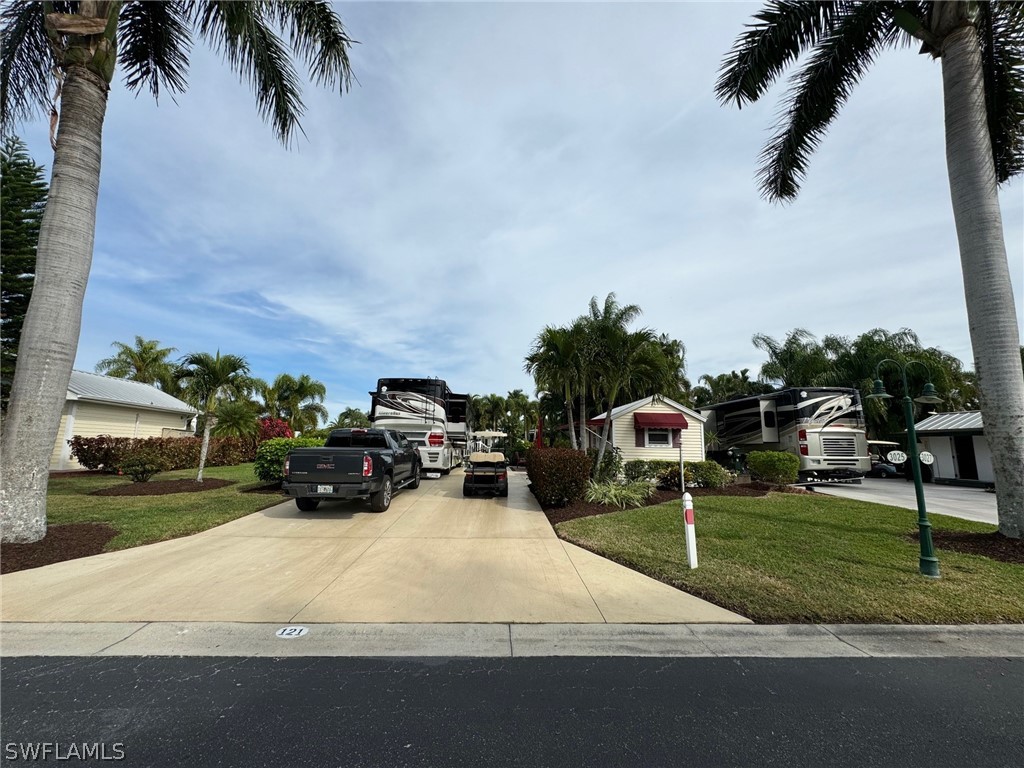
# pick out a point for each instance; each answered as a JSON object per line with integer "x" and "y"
{"x": 428, "y": 413}
{"x": 823, "y": 427}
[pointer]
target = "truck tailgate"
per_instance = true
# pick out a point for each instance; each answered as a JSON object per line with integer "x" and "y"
{"x": 326, "y": 465}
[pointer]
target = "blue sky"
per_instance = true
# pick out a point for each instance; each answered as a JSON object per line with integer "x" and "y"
{"x": 495, "y": 167}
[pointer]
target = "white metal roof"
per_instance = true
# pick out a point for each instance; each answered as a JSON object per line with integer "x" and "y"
{"x": 107, "y": 389}
{"x": 638, "y": 404}
{"x": 957, "y": 421}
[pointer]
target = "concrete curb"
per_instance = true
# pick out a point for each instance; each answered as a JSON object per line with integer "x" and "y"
{"x": 512, "y": 640}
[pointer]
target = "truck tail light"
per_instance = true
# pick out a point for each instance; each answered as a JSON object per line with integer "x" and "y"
{"x": 803, "y": 449}
{"x": 503, "y": 476}
{"x": 435, "y": 439}
{"x": 287, "y": 464}
{"x": 367, "y": 466}
{"x": 802, "y": 435}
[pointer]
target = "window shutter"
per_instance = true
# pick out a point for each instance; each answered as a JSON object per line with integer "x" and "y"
{"x": 677, "y": 435}
{"x": 640, "y": 441}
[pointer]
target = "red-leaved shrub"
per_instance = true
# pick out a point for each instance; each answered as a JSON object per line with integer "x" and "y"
{"x": 559, "y": 475}
{"x": 109, "y": 453}
{"x": 271, "y": 428}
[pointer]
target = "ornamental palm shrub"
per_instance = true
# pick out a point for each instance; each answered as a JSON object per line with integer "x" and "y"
{"x": 620, "y": 495}
{"x": 775, "y": 467}
{"x": 559, "y": 475}
{"x": 270, "y": 456}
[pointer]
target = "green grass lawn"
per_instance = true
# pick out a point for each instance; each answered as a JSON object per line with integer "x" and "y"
{"x": 808, "y": 558}
{"x": 145, "y": 519}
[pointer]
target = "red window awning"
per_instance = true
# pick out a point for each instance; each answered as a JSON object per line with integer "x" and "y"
{"x": 659, "y": 421}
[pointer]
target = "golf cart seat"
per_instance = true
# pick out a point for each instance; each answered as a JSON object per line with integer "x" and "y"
{"x": 483, "y": 457}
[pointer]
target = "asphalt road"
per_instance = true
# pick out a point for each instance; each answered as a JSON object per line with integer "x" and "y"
{"x": 955, "y": 501}
{"x": 520, "y": 712}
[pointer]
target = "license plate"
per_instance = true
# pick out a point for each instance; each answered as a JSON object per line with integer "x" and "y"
{"x": 325, "y": 489}
{"x": 433, "y": 475}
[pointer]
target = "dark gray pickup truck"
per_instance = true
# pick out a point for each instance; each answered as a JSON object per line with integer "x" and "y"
{"x": 368, "y": 463}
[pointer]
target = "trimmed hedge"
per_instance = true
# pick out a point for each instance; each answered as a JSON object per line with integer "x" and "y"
{"x": 110, "y": 453}
{"x": 699, "y": 474}
{"x": 270, "y": 456}
{"x": 559, "y": 476}
{"x": 775, "y": 467}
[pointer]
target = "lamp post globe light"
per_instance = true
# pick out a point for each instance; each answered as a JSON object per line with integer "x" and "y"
{"x": 929, "y": 563}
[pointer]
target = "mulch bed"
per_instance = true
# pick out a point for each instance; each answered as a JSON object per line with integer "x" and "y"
{"x": 62, "y": 542}
{"x": 163, "y": 487}
{"x": 587, "y": 509}
{"x": 993, "y": 545}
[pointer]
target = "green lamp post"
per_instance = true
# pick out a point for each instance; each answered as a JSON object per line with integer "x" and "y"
{"x": 929, "y": 563}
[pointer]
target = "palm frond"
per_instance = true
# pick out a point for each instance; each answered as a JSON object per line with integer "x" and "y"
{"x": 240, "y": 31}
{"x": 316, "y": 33}
{"x": 1001, "y": 31}
{"x": 154, "y": 41}
{"x": 818, "y": 91}
{"x": 784, "y": 29}
{"x": 26, "y": 61}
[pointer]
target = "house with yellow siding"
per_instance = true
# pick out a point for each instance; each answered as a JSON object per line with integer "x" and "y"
{"x": 653, "y": 428}
{"x": 102, "y": 405}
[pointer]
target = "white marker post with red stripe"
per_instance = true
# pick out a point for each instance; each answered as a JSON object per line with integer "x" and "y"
{"x": 691, "y": 531}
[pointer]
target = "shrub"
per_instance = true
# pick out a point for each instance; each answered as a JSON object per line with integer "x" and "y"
{"x": 707, "y": 474}
{"x": 559, "y": 475}
{"x": 103, "y": 452}
{"x": 621, "y": 495}
{"x": 637, "y": 469}
{"x": 271, "y": 428}
{"x": 110, "y": 453}
{"x": 611, "y": 464}
{"x": 142, "y": 462}
{"x": 699, "y": 474}
{"x": 775, "y": 467}
{"x": 270, "y": 456}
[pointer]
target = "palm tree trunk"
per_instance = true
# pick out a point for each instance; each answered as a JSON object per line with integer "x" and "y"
{"x": 572, "y": 425}
{"x": 207, "y": 426}
{"x": 583, "y": 418}
{"x": 49, "y": 337}
{"x": 992, "y": 317}
{"x": 605, "y": 430}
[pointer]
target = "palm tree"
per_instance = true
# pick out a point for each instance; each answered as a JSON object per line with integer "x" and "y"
{"x": 727, "y": 386}
{"x": 519, "y": 403}
{"x": 351, "y": 417}
{"x": 799, "y": 361}
{"x": 606, "y": 323}
{"x": 236, "y": 418}
{"x": 302, "y": 401}
{"x": 552, "y": 363}
{"x": 981, "y": 47}
{"x": 210, "y": 380}
{"x": 81, "y": 44}
{"x": 629, "y": 361}
{"x": 146, "y": 361}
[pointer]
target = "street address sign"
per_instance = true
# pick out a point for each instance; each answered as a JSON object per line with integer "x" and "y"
{"x": 925, "y": 457}
{"x": 288, "y": 633}
{"x": 896, "y": 457}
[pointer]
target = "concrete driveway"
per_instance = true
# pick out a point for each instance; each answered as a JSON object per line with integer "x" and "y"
{"x": 955, "y": 501}
{"x": 432, "y": 557}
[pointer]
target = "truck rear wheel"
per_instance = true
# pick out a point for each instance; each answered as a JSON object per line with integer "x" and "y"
{"x": 307, "y": 505}
{"x": 381, "y": 500}
{"x": 415, "y": 477}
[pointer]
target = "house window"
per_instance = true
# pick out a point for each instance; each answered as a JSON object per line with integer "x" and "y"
{"x": 659, "y": 438}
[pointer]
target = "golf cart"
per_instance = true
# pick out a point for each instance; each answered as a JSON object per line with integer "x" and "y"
{"x": 487, "y": 472}
{"x": 878, "y": 450}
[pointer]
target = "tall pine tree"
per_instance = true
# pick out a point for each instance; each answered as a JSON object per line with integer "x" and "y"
{"x": 23, "y": 191}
